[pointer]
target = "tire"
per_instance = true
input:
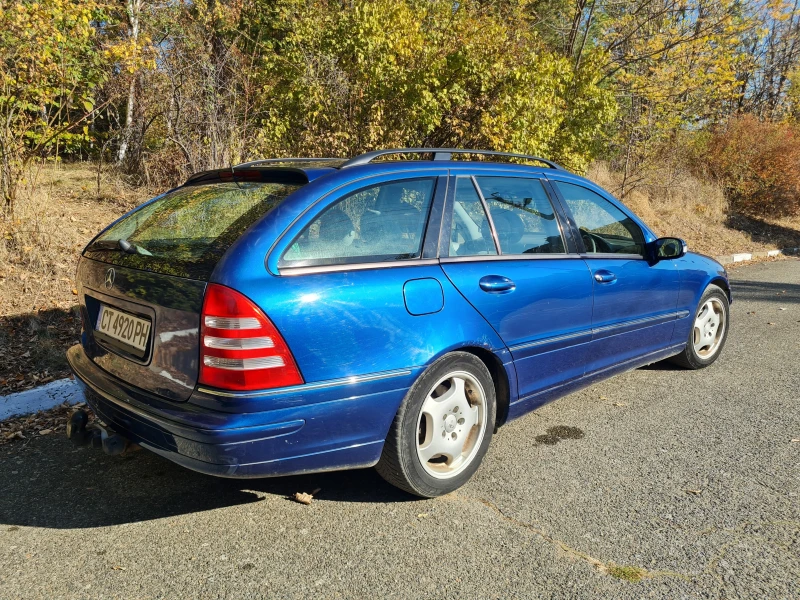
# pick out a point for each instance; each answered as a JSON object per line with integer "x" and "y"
{"x": 705, "y": 341}
{"x": 436, "y": 415}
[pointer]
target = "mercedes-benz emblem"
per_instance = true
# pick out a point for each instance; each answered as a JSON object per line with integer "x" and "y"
{"x": 110, "y": 274}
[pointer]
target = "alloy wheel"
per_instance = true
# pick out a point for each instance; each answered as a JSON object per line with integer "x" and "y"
{"x": 451, "y": 425}
{"x": 709, "y": 328}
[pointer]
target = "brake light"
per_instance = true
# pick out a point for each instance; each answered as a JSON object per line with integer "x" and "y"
{"x": 240, "y": 348}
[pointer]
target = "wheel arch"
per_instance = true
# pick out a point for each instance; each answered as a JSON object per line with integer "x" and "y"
{"x": 500, "y": 377}
{"x": 723, "y": 283}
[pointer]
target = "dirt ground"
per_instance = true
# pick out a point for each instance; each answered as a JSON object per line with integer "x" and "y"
{"x": 38, "y": 256}
{"x": 58, "y": 216}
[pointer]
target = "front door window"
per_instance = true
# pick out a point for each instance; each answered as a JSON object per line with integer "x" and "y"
{"x": 604, "y": 228}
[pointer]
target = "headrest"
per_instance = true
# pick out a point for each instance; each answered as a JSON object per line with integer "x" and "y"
{"x": 334, "y": 225}
{"x": 509, "y": 227}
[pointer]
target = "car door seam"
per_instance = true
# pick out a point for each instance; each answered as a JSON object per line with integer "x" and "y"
{"x": 502, "y": 341}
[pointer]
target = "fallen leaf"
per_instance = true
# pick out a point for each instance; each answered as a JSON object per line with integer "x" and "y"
{"x": 74, "y": 292}
{"x": 45, "y": 432}
{"x": 118, "y": 568}
{"x": 303, "y": 498}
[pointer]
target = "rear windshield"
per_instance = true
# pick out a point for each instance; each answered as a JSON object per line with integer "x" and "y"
{"x": 187, "y": 231}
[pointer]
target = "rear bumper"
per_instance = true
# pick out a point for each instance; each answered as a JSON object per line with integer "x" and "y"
{"x": 338, "y": 428}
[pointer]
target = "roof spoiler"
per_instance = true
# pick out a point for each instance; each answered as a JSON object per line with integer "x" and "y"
{"x": 244, "y": 173}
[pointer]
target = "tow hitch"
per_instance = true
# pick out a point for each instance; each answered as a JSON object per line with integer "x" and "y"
{"x": 97, "y": 435}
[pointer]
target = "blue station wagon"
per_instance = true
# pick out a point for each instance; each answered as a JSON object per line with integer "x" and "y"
{"x": 299, "y": 315}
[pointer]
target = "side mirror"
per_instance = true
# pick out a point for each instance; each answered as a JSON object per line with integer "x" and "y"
{"x": 668, "y": 247}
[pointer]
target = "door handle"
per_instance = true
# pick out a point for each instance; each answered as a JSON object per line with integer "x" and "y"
{"x": 603, "y": 276}
{"x": 497, "y": 284}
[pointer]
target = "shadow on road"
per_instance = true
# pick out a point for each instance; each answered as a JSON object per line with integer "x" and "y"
{"x": 761, "y": 291}
{"x": 662, "y": 365}
{"x": 49, "y": 483}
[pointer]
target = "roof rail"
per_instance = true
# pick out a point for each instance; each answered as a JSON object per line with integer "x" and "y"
{"x": 443, "y": 154}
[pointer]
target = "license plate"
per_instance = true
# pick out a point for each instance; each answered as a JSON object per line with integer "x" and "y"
{"x": 123, "y": 327}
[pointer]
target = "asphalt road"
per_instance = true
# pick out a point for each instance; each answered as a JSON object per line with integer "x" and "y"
{"x": 688, "y": 479}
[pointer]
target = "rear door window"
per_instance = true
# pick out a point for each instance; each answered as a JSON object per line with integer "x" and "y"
{"x": 470, "y": 233}
{"x": 383, "y": 222}
{"x": 523, "y": 217}
{"x": 187, "y": 231}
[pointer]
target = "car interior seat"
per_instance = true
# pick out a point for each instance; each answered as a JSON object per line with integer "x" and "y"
{"x": 509, "y": 228}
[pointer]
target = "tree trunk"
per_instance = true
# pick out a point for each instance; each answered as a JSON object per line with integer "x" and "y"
{"x": 134, "y": 10}
{"x": 122, "y": 151}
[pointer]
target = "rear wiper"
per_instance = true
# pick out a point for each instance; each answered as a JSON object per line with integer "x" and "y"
{"x": 132, "y": 248}
{"x": 122, "y": 244}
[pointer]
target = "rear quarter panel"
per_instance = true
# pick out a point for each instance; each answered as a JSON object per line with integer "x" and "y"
{"x": 347, "y": 323}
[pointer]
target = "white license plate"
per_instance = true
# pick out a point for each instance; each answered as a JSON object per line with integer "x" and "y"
{"x": 123, "y": 327}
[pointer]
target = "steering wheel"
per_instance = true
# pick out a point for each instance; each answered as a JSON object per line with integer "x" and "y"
{"x": 594, "y": 243}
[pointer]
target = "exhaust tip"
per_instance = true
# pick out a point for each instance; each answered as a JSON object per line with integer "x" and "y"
{"x": 76, "y": 428}
{"x": 114, "y": 444}
{"x": 96, "y": 435}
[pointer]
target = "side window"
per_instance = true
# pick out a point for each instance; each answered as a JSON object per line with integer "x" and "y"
{"x": 522, "y": 214}
{"x": 379, "y": 223}
{"x": 470, "y": 234}
{"x": 604, "y": 228}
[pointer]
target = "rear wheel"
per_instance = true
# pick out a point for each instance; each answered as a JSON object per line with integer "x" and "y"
{"x": 709, "y": 330}
{"x": 443, "y": 428}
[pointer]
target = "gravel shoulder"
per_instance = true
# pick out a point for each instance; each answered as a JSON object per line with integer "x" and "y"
{"x": 683, "y": 485}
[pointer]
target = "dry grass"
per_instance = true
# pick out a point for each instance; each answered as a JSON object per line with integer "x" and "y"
{"x": 673, "y": 202}
{"x": 39, "y": 249}
{"x": 54, "y": 219}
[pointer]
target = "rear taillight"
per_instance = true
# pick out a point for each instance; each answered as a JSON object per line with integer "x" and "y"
{"x": 240, "y": 348}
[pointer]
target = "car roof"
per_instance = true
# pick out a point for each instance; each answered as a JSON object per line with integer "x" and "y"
{"x": 305, "y": 170}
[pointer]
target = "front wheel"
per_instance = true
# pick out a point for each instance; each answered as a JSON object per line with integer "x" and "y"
{"x": 709, "y": 330}
{"x": 443, "y": 428}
